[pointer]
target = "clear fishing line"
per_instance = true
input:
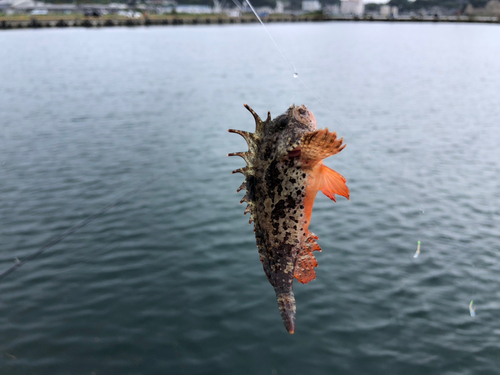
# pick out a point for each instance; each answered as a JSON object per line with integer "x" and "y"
{"x": 272, "y": 39}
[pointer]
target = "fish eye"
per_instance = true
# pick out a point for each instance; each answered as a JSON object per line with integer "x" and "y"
{"x": 302, "y": 111}
{"x": 281, "y": 124}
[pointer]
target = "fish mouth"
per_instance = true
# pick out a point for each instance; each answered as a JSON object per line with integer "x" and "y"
{"x": 294, "y": 149}
{"x": 295, "y": 152}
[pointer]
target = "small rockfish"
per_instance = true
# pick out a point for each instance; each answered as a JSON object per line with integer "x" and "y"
{"x": 283, "y": 174}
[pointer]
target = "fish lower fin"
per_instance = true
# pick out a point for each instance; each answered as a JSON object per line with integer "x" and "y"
{"x": 328, "y": 181}
{"x": 332, "y": 182}
{"x": 306, "y": 261}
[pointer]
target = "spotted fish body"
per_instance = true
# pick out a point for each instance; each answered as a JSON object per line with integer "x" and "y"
{"x": 283, "y": 174}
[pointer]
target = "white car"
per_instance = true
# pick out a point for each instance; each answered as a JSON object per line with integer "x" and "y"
{"x": 39, "y": 12}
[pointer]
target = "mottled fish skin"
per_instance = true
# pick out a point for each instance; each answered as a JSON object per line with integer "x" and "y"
{"x": 279, "y": 175}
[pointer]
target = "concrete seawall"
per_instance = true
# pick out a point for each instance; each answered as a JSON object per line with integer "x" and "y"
{"x": 110, "y": 22}
{"x": 69, "y": 21}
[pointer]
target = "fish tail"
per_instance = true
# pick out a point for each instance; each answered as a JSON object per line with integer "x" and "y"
{"x": 286, "y": 304}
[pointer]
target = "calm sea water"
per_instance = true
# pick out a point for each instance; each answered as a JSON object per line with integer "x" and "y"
{"x": 169, "y": 281}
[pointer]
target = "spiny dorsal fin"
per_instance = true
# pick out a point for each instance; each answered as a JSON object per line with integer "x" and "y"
{"x": 243, "y": 186}
{"x": 259, "y": 125}
{"x": 248, "y": 210}
{"x": 250, "y": 138}
{"x": 253, "y": 140}
{"x": 247, "y": 156}
{"x": 243, "y": 171}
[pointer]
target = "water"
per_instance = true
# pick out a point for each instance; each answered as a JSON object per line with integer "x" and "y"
{"x": 169, "y": 282}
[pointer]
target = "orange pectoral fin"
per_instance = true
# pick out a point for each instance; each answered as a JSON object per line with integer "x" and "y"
{"x": 331, "y": 183}
{"x": 318, "y": 145}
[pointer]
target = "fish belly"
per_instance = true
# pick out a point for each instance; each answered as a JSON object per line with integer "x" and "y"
{"x": 280, "y": 229}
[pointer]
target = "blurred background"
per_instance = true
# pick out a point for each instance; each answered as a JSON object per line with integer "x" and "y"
{"x": 169, "y": 281}
{"x": 114, "y": 12}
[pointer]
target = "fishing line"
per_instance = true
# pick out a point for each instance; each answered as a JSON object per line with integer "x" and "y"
{"x": 275, "y": 44}
{"x": 55, "y": 240}
{"x": 325, "y": 106}
{"x": 295, "y": 74}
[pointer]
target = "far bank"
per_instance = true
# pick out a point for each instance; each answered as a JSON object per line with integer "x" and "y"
{"x": 63, "y": 20}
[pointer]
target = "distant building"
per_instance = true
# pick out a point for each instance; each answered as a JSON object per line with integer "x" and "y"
{"x": 492, "y": 8}
{"x": 4, "y": 4}
{"x": 217, "y": 7}
{"x": 264, "y": 11}
{"x": 20, "y": 4}
{"x": 332, "y": 10}
{"x": 115, "y": 7}
{"x": 280, "y": 7}
{"x": 387, "y": 10}
{"x": 232, "y": 12}
{"x": 354, "y": 7}
{"x": 311, "y": 5}
{"x": 35, "y": 7}
{"x": 193, "y": 9}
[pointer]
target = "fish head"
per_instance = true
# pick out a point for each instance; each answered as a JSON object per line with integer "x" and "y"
{"x": 286, "y": 131}
{"x": 304, "y": 116}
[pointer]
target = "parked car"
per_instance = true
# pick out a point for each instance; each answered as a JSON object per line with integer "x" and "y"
{"x": 39, "y": 12}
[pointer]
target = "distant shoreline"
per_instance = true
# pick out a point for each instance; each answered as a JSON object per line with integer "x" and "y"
{"x": 61, "y": 21}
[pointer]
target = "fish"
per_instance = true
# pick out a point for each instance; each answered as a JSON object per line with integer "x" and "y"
{"x": 284, "y": 171}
